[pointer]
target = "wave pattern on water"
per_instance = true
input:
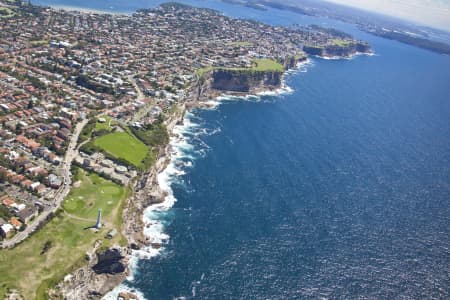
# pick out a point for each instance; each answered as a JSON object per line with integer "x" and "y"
{"x": 337, "y": 190}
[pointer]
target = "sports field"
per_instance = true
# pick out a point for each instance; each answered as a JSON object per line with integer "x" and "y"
{"x": 123, "y": 145}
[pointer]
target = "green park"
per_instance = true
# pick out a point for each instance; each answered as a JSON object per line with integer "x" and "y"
{"x": 42, "y": 260}
{"x": 258, "y": 65}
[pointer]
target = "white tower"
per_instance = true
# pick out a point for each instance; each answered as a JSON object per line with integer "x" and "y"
{"x": 98, "y": 225}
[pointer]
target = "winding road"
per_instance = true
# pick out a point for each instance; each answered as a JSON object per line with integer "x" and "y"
{"x": 61, "y": 194}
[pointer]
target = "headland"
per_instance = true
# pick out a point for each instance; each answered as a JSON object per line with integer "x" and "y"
{"x": 90, "y": 104}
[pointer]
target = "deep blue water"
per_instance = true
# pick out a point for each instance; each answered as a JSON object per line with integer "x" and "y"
{"x": 338, "y": 190}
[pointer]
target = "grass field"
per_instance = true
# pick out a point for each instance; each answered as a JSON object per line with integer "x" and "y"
{"x": 123, "y": 145}
{"x": 39, "y": 43}
{"x": 104, "y": 126}
{"x": 341, "y": 43}
{"x": 258, "y": 65}
{"x": 241, "y": 44}
{"x": 6, "y": 12}
{"x": 202, "y": 71}
{"x": 33, "y": 272}
{"x": 95, "y": 193}
{"x": 267, "y": 65}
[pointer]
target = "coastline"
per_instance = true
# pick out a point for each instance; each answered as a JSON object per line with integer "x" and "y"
{"x": 71, "y": 8}
{"x": 354, "y": 55}
{"x": 152, "y": 194}
{"x": 172, "y": 224}
{"x": 152, "y": 191}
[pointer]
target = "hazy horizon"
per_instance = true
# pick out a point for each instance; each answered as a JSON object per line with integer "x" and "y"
{"x": 433, "y": 13}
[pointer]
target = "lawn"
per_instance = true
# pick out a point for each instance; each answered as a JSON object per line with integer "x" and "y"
{"x": 33, "y": 272}
{"x": 258, "y": 65}
{"x": 104, "y": 126}
{"x": 341, "y": 43}
{"x": 97, "y": 193}
{"x": 123, "y": 145}
{"x": 37, "y": 43}
{"x": 202, "y": 71}
{"x": 267, "y": 65}
{"x": 241, "y": 44}
{"x": 6, "y": 12}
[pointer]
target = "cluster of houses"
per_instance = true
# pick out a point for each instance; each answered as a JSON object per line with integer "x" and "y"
{"x": 18, "y": 213}
{"x": 106, "y": 167}
{"x": 91, "y": 57}
{"x": 27, "y": 183}
{"x": 59, "y": 67}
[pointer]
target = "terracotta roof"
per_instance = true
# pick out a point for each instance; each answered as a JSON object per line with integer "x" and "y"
{"x": 14, "y": 222}
{"x": 8, "y": 202}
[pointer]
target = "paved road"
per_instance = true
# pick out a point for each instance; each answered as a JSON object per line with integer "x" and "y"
{"x": 60, "y": 194}
{"x": 63, "y": 191}
{"x": 140, "y": 96}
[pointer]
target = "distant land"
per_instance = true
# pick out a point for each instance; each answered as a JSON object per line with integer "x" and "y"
{"x": 415, "y": 41}
{"x": 384, "y": 26}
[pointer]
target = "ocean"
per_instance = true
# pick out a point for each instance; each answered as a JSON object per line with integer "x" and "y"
{"x": 337, "y": 188}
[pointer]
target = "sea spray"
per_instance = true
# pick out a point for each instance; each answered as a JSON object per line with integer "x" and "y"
{"x": 185, "y": 146}
{"x": 156, "y": 217}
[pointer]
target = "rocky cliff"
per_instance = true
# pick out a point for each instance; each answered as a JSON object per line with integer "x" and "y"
{"x": 103, "y": 272}
{"x": 291, "y": 62}
{"x": 344, "y": 50}
{"x": 244, "y": 81}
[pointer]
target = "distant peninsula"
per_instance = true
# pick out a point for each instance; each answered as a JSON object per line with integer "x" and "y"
{"x": 386, "y": 27}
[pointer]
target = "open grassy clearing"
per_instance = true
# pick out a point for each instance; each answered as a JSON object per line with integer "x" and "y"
{"x": 6, "y": 12}
{"x": 258, "y": 65}
{"x": 267, "y": 65}
{"x": 106, "y": 125}
{"x": 32, "y": 270}
{"x": 39, "y": 43}
{"x": 123, "y": 145}
{"x": 241, "y": 44}
{"x": 202, "y": 71}
{"x": 341, "y": 43}
{"x": 95, "y": 193}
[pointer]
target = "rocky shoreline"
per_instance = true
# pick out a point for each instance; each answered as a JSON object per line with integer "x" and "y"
{"x": 85, "y": 283}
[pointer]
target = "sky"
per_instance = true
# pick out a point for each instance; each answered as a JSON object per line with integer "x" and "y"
{"x": 434, "y": 13}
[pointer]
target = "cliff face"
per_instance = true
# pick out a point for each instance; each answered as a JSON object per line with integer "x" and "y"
{"x": 245, "y": 81}
{"x": 338, "y": 50}
{"x": 220, "y": 80}
{"x": 363, "y": 47}
{"x": 291, "y": 61}
{"x": 103, "y": 272}
{"x": 312, "y": 50}
{"x": 109, "y": 262}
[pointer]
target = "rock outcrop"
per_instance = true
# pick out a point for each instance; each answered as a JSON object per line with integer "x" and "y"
{"x": 109, "y": 262}
{"x": 241, "y": 81}
{"x": 346, "y": 50}
{"x": 103, "y": 272}
{"x": 244, "y": 81}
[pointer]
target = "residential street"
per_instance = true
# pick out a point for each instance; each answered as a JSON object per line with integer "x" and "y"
{"x": 61, "y": 193}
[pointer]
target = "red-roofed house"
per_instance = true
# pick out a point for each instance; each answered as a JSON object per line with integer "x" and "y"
{"x": 16, "y": 223}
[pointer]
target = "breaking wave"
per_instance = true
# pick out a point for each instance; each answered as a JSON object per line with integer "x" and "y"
{"x": 185, "y": 147}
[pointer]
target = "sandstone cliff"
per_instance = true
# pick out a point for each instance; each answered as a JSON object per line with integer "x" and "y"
{"x": 244, "y": 81}
{"x": 340, "y": 50}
